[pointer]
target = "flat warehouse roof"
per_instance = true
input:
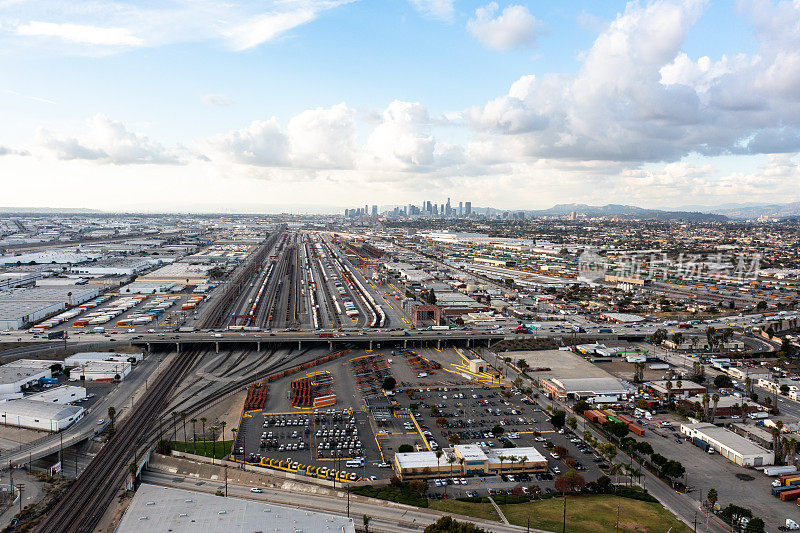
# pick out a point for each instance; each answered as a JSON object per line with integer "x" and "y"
{"x": 184, "y": 511}
{"x": 729, "y": 439}
{"x": 36, "y": 408}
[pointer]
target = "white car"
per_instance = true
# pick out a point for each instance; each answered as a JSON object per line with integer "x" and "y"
{"x": 256, "y": 490}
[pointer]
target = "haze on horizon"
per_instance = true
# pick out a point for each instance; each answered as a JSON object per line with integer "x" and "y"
{"x": 327, "y": 103}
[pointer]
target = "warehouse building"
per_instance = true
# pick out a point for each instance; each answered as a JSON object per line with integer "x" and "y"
{"x": 677, "y": 388}
{"x": 21, "y": 307}
{"x": 61, "y": 395}
{"x": 117, "y": 266}
{"x": 478, "y": 460}
{"x": 728, "y": 444}
{"x": 39, "y": 415}
{"x": 595, "y": 390}
{"x": 157, "y": 508}
{"x": 82, "y": 358}
{"x": 180, "y": 273}
{"x": 16, "y": 378}
{"x": 100, "y": 371}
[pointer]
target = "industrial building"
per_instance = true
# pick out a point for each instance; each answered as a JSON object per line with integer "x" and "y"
{"x": 21, "y": 307}
{"x": 180, "y": 273}
{"x": 15, "y": 378}
{"x": 595, "y": 390}
{"x": 117, "y": 266}
{"x": 39, "y": 415}
{"x": 678, "y": 388}
{"x": 157, "y": 508}
{"x": 82, "y": 358}
{"x": 477, "y": 460}
{"x": 728, "y": 444}
{"x": 100, "y": 371}
{"x": 61, "y": 395}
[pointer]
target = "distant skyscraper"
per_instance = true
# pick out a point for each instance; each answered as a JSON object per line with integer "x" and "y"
{"x": 374, "y": 210}
{"x": 467, "y": 209}
{"x": 460, "y": 209}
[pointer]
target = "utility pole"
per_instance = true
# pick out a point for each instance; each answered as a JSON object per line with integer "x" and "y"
{"x": 564, "y": 526}
{"x": 20, "y": 486}
{"x": 61, "y": 453}
{"x": 226, "y": 481}
{"x": 617, "y": 524}
{"x": 348, "y": 502}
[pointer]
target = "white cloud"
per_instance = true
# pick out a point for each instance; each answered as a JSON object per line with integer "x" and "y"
{"x": 81, "y": 33}
{"x": 217, "y": 99}
{"x": 108, "y": 141}
{"x": 262, "y": 143}
{"x": 323, "y": 138}
{"x": 108, "y": 27}
{"x": 266, "y": 27}
{"x": 402, "y": 140}
{"x": 514, "y": 27}
{"x": 440, "y": 9}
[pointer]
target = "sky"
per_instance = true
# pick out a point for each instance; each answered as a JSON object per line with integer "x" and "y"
{"x": 318, "y": 105}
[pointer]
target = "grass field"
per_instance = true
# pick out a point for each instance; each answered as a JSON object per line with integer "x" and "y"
{"x": 219, "y": 448}
{"x": 478, "y": 510}
{"x": 595, "y": 514}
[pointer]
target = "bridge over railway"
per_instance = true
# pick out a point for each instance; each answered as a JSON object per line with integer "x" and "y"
{"x": 370, "y": 340}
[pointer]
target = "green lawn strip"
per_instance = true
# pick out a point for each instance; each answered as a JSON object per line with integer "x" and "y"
{"x": 393, "y": 494}
{"x": 478, "y": 510}
{"x": 594, "y": 514}
{"x": 220, "y": 449}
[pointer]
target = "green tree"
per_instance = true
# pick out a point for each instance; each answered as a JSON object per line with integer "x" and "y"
{"x": 755, "y": 525}
{"x": 558, "y": 418}
{"x": 405, "y": 448}
{"x": 389, "y": 383}
{"x": 711, "y": 496}
{"x": 112, "y": 416}
{"x": 572, "y": 422}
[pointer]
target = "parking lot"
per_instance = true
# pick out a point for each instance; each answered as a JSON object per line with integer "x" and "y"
{"x": 468, "y": 415}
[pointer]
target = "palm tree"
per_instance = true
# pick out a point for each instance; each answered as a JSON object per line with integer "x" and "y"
{"x": 669, "y": 390}
{"x": 438, "y": 457}
{"x": 203, "y": 420}
{"x": 222, "y": 425}
{"x": 194, "y": 434}
{"x": 776, "y": 441}
{"x": 715, "y": 399}
{"x": 174, "y": 426}
{"x": 711, "y": 496}
{"x": 706, "y": 400}
{"x": 502, "y": 458}
{"x": 185, "y": 440}
{"x": 748, "y": 384}
{"x": 695, "y": 341}
{"x": 461, "y": 464}
{"x": 366, "y": 524}
{"x": 745, "y": 409}
{"x": 450, "y": 460}
{"x": 214, "y": 430}
{"x": 522, "y": 460}
{"x": 790, "y": 446}
{"x": 711, "y": 337}
{"x": 112, "y": 415}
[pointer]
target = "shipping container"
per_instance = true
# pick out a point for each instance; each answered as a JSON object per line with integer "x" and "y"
{"x": 789, "y": 495}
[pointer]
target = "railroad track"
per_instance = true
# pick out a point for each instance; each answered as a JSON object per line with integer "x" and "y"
{"x": 81, "y": 507}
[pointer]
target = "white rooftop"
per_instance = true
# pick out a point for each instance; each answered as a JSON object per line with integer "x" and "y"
{"x": 156, "y": 508}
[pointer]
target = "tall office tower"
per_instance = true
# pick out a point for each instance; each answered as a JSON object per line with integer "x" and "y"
{"x": 435, "y": 211}
{"x": 448, "y": 210}
{"x": 441, "y": 212}
{"x": 467, "y": 209}
{"x": 429, "y": 208}
{"x": 460, "y": 209}
{"x": 410, "y": 210}
{"x": 374, "y": 210}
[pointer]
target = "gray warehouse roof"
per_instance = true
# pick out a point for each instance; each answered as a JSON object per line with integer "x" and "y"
{"x": 156, "y": 508}
{"x": 35, "y": 408}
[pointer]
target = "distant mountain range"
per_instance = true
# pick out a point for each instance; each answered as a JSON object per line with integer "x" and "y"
{"x": 751, "y": 210}
{"x": 692, "y": 213}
